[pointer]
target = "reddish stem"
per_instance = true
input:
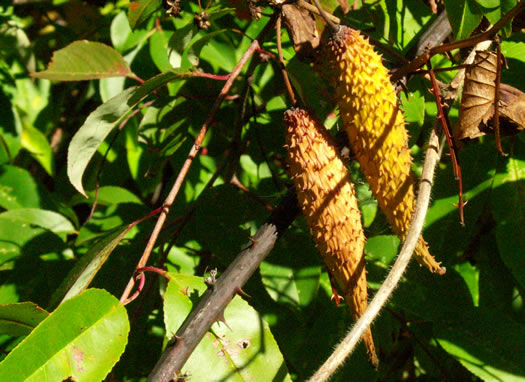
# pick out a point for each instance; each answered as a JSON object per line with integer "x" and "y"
{"x": 450, "y": 140}
{"x": 187, "y": 164}
{"x": 496, "y": 99}
{"x": 281, "y": 61}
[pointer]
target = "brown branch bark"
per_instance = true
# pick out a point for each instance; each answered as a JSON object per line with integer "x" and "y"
{"x": 228, "y": 284}
{"x": 187, "y": 164}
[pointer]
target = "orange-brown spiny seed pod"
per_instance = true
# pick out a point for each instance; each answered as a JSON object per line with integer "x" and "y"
{"x": 376, "y": 129}
{"x": 329, "y": 204}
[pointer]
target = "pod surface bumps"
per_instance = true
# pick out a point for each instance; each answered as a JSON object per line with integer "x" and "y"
{"x": 376, "y": 129}
{"x": 329, "y": 204}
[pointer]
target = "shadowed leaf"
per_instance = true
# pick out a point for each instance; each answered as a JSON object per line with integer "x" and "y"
{"x": 87, "y": 267}
{"x": 21, "y": 318}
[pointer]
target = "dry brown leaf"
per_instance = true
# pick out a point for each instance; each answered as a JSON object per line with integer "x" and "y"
{"x": 302, "y": 30}
{"x": 512, "y": 105}
{"x": 477, "y": 104}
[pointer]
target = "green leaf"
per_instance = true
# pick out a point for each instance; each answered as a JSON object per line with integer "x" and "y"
{"x": 21, "y": 318}
{"x": 508, "y": 208}
{"x": 488, "y": 343}
{"x": 82, "y": 340}
{"x": 34, "y": 141}
{"x": 158, "y": 49}
{"x": 88, "y": 266}
{"x": 413, "y": 107}
{"x": 122, "y": 37}
{"x": 247, "y": 351}
{"x": 178, "y": 43}
{"x": 140, "y": 10}
{"x": 17, "y": 238}
{"x": 49, "y": 220}
{"x": 494, "y": 10}
{"x": 101, "y": 122}
{"x": 489, "y": 3}
{"x": 18, "y": 189}
{"x": 290, "y": 286}
{"x": 85, "y": 60}
{"x": 227, "y": 210}
{"x": 382, "y": 248}
{"x": 191, "y": 55}
{"x": 464, "y": 16}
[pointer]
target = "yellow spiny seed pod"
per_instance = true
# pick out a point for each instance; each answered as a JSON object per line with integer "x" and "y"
{"x": 329, "y": 204}
{"x": 376, "y": 129}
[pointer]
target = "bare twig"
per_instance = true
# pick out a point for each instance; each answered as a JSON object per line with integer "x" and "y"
{"x": 346, "y": 346}
{"x": 216, "y": 299}
{"x": 313, "y": 9}
{"x": 442, "y": 117}
{"x": 496, "y": 98}
{"x": 281, "y": 61}
{"x": 187, "y": 164}
{"x": 423, "y": 58}
{"x": 333, "y": 26}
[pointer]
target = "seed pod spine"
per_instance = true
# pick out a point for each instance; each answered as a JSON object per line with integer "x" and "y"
{"x": 329, "y": 204}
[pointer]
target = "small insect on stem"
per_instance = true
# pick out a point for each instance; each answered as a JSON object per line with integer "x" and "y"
{"x": 211, "y": 280}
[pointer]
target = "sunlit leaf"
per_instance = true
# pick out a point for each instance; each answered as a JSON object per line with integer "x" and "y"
{"x": 247, "y": 351}
{"x": 140, "y": 10}
{"x": 49, "y": 220}
{"x": 34, "y": 141}
{"x": 81, "y": 340}
{"x": 85, "y": 60}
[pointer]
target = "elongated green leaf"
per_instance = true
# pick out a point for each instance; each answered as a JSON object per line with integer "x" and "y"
{"x": 140, "y": 10}
{"x": 96, "y": 128}
{"x": 247, "y": 351}
{"x": 85, "y": 60}
{"x": 464, "y": 17}
{"x": 101, "y": 122}
{"x": 81, "y": 340}
{"x": 42, "y": 218}
{"x": 21, "y": 318}
{"x": 508, "y": 208}
{"x": 34, "y": 141}
{"x": 87, "y": 267}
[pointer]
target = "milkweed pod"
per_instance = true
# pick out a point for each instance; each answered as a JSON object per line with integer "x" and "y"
{"x": 329, "y": 204}
{"x": 376, "y": 129}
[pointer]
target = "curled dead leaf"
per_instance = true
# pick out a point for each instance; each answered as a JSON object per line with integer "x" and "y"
{"x": 301, "y": 27}
{"x": 477, "y": 104}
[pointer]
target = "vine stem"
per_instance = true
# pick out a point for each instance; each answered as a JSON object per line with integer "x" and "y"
{"x": 187, "y": 164}
{"x": 432, "y": 155}
{"x": 347, "y": 345}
